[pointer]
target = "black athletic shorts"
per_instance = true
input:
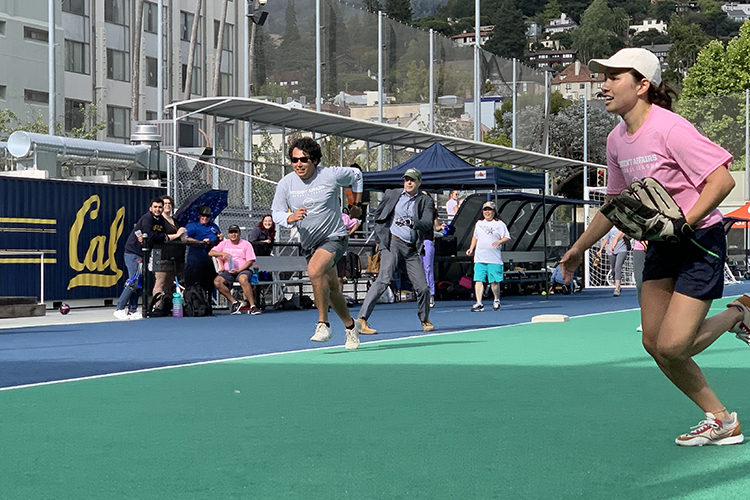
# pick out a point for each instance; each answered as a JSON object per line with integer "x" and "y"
{"x": 698, "y": 272}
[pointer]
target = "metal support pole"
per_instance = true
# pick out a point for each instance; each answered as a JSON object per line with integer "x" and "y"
{"x": 283, "y": 151}
{"x": 318, "y": 59}
{"x": 585, "y": 127}
{"x": 515, "y": 98}
{"x": 248, "y": 139}
{"x": 214, "y": 154}
{"x": 380, "y": 83}
{"x": 546, "y": 112}
{"x": 747, "y": 144}
{"x": 160, "y": 62}
{"x": 380, "y": 67}
{"x": 41, "y": 272}
{"x": 477, "y": 76}
{"x": 432, "y": 81}
{"x": 249, "y": 167}
{"x": 51, "y": 62}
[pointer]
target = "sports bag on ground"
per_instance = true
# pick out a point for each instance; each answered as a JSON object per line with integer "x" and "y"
{"x": 197, "y": 302}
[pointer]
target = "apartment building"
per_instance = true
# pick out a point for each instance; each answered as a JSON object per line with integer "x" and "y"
{"x": 94, "y": 42}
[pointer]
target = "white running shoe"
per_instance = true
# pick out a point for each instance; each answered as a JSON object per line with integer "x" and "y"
{"x": 639, "y": 329}
{"x": 136, "y": 315}
{"x": 477, "y": 307}
{"x": 352, "y": 336}
{"x": 496, "y": 305}
{"x": 322, "y": 333}
{"x": 121, "y": 314}
{"x": 713, "y": 431}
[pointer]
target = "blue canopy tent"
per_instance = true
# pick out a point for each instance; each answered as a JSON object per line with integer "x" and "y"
{"x": 442, "y": 169}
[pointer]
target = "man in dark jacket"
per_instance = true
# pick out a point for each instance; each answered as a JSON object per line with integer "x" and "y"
{"x": 401, "y": 219}
{"x": 149, "y": 229}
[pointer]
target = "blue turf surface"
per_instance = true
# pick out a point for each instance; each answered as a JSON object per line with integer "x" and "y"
{"x": 57, "y": 352}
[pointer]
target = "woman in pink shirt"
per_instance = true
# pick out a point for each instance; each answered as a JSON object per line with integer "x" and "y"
{"x": 680, "y": 279}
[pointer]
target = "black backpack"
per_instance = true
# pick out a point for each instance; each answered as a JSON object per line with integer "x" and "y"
{"x": 196, "y": 302}
{"x": 161, "y": 305}
{"x": 353, "y": 266}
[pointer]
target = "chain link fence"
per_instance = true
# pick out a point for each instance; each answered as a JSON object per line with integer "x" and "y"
{"x": 249, "y": 195}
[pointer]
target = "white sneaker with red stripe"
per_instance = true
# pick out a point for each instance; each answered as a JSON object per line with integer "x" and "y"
{"x": 713, "y": 431}
{"x": 742, "y": 328}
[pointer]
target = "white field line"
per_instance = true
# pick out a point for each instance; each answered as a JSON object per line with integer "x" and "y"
{"x": 252, "y": 356}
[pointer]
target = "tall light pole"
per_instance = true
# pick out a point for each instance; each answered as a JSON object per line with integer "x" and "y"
{"x": 477, "y": 74}
{"x": 160, "y": 62}
{"x": 318, "y": 59}
{"x": 52, "y": 70}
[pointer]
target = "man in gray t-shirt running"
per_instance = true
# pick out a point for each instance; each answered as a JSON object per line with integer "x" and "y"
{"x": 311, "y": 194}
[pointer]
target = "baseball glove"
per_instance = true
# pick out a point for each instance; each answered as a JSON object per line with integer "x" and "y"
{"x": 645, "y": 211}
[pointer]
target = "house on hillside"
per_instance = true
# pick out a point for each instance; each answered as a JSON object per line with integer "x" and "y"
{"x": 577, "y": 82}
{"x": 550, "y": 58}
{"x": 560, "y": 25}
{"x": 739, "y": 12}
{"x": 649, "y": 24}
{"x": 468, "y": 37}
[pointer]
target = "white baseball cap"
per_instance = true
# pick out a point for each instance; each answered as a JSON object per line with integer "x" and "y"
{"x": 641, "y": 60}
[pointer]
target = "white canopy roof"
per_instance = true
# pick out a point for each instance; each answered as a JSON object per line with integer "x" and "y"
{"x": 269, "y": 113}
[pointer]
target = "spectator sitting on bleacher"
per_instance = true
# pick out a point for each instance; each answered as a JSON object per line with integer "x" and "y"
{"x": 237, "y": 259}
{"x": 263, "y": 235}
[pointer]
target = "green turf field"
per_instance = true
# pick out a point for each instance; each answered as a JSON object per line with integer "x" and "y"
{"x": 565, "y": 410}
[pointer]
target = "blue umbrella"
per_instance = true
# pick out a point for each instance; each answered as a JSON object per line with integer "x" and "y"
{"x": 216, "y": 199}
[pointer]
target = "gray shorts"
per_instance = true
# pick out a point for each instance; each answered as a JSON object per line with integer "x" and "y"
{"x": 337, "y": 246}
{"x": 231, "y": 278}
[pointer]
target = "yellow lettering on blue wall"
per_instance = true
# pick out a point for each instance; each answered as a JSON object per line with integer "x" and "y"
{"x": 100, "y": 256}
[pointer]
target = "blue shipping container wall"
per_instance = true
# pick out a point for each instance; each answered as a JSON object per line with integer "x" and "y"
{"x": 80, "y": 227}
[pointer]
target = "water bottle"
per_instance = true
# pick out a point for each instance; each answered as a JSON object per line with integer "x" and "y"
{"x": 177, "y": 305}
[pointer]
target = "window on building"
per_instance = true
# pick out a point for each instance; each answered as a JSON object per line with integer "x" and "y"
{"x": 76, "y": 57}
{"x": 75, "y": 114}
{"x": 116, "y": 11}
{"x": 186, "y": 26}
{"x": 74, "y": 7}
{"x": 150, "y": 17}
{"x": 195, "y": 80}
{"x": 568, "y": 86}
{"x": 152, "y": 72}
{"x": 118, "y": 65}
{"x": 226, "y": 45}
{"x": 224, "y": 135}
{"x": 581, "y": 86}
{"x": 35, "y": 34}
{"x": 36, "y": 96}
{"x": 118, "y": 122}
{"x": 152, "y": 115}
{"x": 3, "y": 92}
{"x": 226, "y": 86}
{"x": 2, "y": 28}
